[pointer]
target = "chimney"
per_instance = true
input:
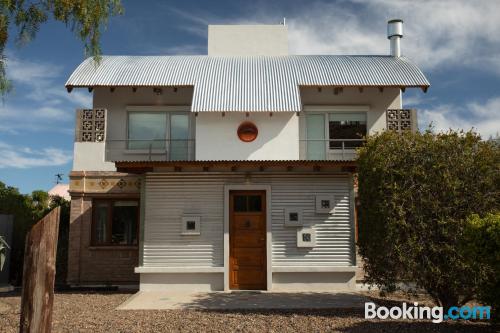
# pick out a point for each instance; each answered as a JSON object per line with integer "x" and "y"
{"x": 394, "y": 34}
{"x": 248, "y": 40}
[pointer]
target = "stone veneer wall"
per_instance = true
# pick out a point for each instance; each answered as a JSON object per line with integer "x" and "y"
{"x": 89, "y": 264}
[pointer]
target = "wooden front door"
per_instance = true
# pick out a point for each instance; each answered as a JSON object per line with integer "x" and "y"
{"x": 247, "y": 239}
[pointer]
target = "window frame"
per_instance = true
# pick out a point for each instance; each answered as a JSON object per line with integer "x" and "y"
{"x": 327, "y": 125}
{"x": 109, "y": 222}
{"x": 168, "y": 111}
{"x": 325, "y": 111}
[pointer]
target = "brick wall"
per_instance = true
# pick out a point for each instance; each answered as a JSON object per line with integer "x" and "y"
{"x": 96, "y": 265}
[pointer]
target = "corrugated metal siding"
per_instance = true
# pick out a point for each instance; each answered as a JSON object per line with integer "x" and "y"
{"x": 260, "y": 83}
{"x": 169, "y": 196}
{"x": 333, "y": 232}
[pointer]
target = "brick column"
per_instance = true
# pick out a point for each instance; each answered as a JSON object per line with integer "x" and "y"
{"x": 75, "y": 222}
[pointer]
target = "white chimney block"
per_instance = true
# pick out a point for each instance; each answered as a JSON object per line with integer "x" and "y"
{"x": 394, "y": 34}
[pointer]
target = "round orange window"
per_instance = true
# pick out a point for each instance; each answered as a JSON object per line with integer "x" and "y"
{"x": 247, "y": 131}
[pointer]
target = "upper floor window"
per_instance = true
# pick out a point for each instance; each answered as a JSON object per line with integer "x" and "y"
{"x": 328, "y": 132}
{"x": 147, "y": 128}
{"x": 160, "y": 130}
{"x": 342, "y": 126}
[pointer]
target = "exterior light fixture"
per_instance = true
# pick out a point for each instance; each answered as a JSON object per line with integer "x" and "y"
{"x": 157, "y": 91}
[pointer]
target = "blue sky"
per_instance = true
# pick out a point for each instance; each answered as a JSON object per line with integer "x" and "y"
{"x": 456, "y": 43}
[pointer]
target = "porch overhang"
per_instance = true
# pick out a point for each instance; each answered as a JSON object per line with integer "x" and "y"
{"x": 237, "y": 166}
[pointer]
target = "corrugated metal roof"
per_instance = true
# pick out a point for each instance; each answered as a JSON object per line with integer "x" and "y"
{"x": 259, "y": 83}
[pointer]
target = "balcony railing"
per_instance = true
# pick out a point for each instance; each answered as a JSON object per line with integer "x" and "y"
{"x": 330, "y": 149}
{"x": 150, "y": 150}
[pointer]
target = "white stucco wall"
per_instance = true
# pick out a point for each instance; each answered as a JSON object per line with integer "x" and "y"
{"x": 247, "y": 40}
{"x": 216, "y": 135}
{"x": 89, "y": 156}
{"x": 217, "y": 139}
{"x": 377, "y": 102}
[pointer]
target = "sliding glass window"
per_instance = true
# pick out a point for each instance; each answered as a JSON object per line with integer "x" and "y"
{"x": 167, "y": 131}
{"x": 179, "y": 137}
{"x": 316, "y": 144}
{"x": 147, "y": 130}
{"x": 329, "y": 131}
{"x": 346, "y": 128}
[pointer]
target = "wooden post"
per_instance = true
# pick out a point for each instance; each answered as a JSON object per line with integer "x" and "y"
{"x": 39, "y": 272}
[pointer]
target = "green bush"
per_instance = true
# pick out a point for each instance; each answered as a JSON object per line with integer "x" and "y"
{"x": 27, "y": 210}
{"x": 481, "y": 245}
{"x": 416, "y": 191}
{"x": 14, "y": 203}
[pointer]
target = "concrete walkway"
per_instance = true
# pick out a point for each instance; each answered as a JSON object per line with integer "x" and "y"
{"x": 242, "y": 300}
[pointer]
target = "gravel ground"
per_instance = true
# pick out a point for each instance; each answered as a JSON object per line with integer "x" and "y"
{"x": 95, "y": 312}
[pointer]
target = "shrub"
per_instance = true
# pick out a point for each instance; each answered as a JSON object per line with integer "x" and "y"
{"x": 481, "y": 245}
{"x": 416, "y": 191}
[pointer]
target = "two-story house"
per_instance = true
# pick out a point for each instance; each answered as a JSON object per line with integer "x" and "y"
{"x": 232, "y": 170}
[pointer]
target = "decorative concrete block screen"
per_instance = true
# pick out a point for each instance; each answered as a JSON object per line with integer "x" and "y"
{"x": 90, "y": 125}
{"x": 400, "y": 120}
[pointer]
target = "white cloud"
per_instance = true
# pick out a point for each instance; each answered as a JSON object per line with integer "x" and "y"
{"x": 39, "y": 101}
{"x": 24, "y": 157}
{"x": 414, "y": 100}
{"x": 28, "y": 71}
{"x": 17, "y": 120}
{"x": 482, "y": 117}
{"x": 81, "y": 98}
{"x": 186, "y": 49}
{"x": 52, "y": 113}
{"x": 437, "y": 33}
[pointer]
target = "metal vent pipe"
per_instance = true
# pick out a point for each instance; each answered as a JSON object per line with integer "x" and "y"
{"x": 394, "y": 34}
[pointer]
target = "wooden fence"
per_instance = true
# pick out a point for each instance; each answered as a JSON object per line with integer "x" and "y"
{"x": 39, "y": 273}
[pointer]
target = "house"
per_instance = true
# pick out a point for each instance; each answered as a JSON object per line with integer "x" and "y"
{"x": 60, "y": 190}
{"x": 232, "y": 170}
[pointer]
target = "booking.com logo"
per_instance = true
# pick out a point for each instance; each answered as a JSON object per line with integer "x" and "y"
{"x": 416, "y": 312}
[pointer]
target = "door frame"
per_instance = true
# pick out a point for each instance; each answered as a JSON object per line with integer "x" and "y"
{"x": 244, "y": 187}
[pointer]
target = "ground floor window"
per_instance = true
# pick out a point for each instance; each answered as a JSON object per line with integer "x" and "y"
{"x": 115, "y": 222}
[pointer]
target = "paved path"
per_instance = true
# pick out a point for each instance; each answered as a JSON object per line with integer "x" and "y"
{"x": 242, "y": 300}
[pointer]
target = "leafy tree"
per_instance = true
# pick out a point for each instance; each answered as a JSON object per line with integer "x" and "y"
{"x": 416, "y": 191}
{"x": 27, "y": 210}
{"x": 14, "y": 203}
{"x": 85, "y": 18}
{"x": 40, "y": 201}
